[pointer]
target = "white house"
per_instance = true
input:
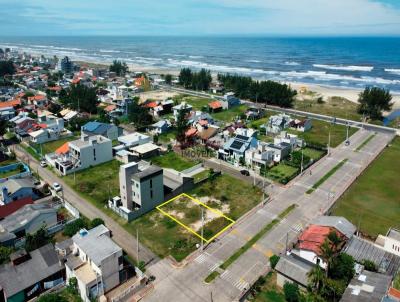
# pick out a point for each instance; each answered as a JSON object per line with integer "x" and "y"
{"x": 390, "y": 242}
{"x": 260, "y": 156}
{"x": 141, "y": 190}
{"x": 134, "y": 139}
{"x": 185, "y": 107}
{"x": 43, "y": 136}
{"x": 82, "y": 153}
{"x": 277, "y": 123}
{"x": 292, "y": 139}
{"x": 96, "y": 262}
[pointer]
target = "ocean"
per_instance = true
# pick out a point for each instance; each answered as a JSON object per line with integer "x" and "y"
{"x": 338, "y": 62}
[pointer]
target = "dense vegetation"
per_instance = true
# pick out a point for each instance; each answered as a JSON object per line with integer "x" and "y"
{"x": 80, "y": 97}
{"x": 6, "y": 68}
{"x": 139, "y": 115}
{"x": 374, "y": 100}
{"x": 268, "y": 92}
{"x": 120, "y": 68}
{"x": 195, "y": 80}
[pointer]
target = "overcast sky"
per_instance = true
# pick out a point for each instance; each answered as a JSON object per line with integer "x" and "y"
{"x": 200, "y": 17}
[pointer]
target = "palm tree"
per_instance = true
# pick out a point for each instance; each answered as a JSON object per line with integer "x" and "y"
{"x": 316, "y": 278}
{"x": 327, "y": 254}
{"x": 335, "y": 240}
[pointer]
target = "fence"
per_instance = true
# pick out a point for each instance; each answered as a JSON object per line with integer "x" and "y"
{"x": 71, "y": 209}
{"x": 23, "y": 173}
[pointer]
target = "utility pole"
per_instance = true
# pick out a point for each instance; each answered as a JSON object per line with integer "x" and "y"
{"x": 202, "y": 228}
{"x": 347, "y": 131}
{"x": 137, "y": 246}
{"x": 329, "y": 142}
{"x": 302, "y": 159}
{"x": 286, "y": 244}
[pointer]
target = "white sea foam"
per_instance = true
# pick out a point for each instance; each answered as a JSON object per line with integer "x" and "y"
{"x": 253, "y": 61}
{"x": 343, "y": 67}
{"x": 292, "y": 63}
{"x": 196, "y": 57}
{"x": 393, "y": 70}
{"x": 109, "y": 51}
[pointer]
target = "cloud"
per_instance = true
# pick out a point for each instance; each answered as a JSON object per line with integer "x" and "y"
{"x": 197, "y": 17}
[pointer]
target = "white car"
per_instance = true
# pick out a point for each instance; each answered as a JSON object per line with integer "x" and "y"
{"x": 43, "y": 164}
{"x": 57, "y": 187}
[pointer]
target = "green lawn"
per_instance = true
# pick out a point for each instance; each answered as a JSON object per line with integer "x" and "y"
{"x": 201, "y": 175}
{"x": 173, "y": 160}
{"x": 8, "y": 162}
{"x": 52, "y": 146}
{"x": 313, "y": 153}
{"x": 269, "y": 292}
{"x": 167, "y": 136}
{"x": 96, "y": 183}
{"x": 197, "y": 102}
{"x": 282, "y": 172}
{"x": 230, "y": 114}
{"x": 239, "y": 196}
{"x": 319, "y": 133}
{"x": 374, "y": 198}
{"x": 18, "y": 169}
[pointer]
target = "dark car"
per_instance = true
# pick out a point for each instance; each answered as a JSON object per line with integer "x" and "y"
{"x": 245, "y": 172}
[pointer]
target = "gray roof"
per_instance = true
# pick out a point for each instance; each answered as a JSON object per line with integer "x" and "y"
{"x": 361, "y": 249}
{"x": 339, "y": 223}
{"x": 148, "y": 172}
{"x": 294, "y": 268}
{"x": 24, "y": 216}
{"x": 367, "y": 287}
{"x": 96, "y": 244}
{"x": 43, "y": 263}
{"x": 13, "y": 185}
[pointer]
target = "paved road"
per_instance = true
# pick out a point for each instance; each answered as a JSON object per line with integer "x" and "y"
{"x": 120, "y": 235}
{"x": 186, "y": 284}
{"x": 322, "y": 117}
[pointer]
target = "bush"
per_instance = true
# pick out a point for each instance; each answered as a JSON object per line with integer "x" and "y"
{"x": 72, "y": 228}
{"x": 291, "y": 291}
{"x": 274, "y": 260}
{"x": 369, "y": 265}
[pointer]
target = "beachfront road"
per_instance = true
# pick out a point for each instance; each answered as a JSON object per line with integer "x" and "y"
{"x": 187, "y": 283}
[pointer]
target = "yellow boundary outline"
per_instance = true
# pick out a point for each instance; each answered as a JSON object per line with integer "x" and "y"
{"x": 202, "y": 204}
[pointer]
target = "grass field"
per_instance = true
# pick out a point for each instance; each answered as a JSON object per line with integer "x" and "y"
{"x": 373, "y": 200}
{"x": 270, "y": 292}
{"x": 173, "y": 160}
{"x": 197, "y": 102}
{"x": 319, "y": 133}
{"x": 334, "y": 106}
{"x": 313, "y": 153}
{"x": 229, "y": 114}
{"x": 52, "y": 146}
{"x": 167, "y": 136}
{"x": 97, "y": 183}
{"x": 166, "y": 237}
{"x": 281, "y": 172}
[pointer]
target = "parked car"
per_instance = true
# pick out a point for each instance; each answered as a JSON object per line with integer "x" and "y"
{"x": 43, "y": 163}
{"x": 245, "y": 172}
{"x": 57, "y": 187}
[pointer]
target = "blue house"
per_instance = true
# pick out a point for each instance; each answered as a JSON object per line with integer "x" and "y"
{"x": 109, "y": 131}
{"x": 15, "y": 189}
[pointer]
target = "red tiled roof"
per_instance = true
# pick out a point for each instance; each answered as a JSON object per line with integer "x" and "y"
{"x": 151, "y": 105}
{"x": 13, "y": 206}
{"x": 312, "y": 238}
{"x": 215, "y": 105}
{"x": 395, "y": 293}
{"x": 38, "y": 97}
{"x": 63, "y": 149}
{"x": 55, "y": 88}
{"x": 12, "y": 103}
{"x": 191, "y": 132}
{"x": 110, "y": 108}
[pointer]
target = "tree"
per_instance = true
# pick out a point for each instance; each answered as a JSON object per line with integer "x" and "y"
{"x": 185, "y": 77}
{"x": 3, "y": 126}
{"x": 342, "y": 267}
{"x": 291, "y": 291}
{"x": 72, "y": 228}
{"x": 297, "y": 158}
{"x": 139, "y": 115}
{"x": 120, "y": 68}
{"x": 80, "y": 97}
{"x": 273, "y": 260}
{"x": 374, "y": 100}
{"x": 168, "y": 79}
{"x": 52, "y": 297}
{"x": 316, "y": 278}
{"x": 327, "y": 254}
{"x": 333, "y": 289}
{"x": 181, "y": 126}
{"x": 5, "y": 253}
{"x": 37, "y": 240}
{"x": 6, "y": 68}
{"x": 96, "y": 222}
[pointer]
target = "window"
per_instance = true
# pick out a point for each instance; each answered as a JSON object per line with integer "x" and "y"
{"x": 151, "y": 193}
{"x": 120, "y": 260}
{"x": 151, "y": 183}
{"x": 94, "y": 154}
